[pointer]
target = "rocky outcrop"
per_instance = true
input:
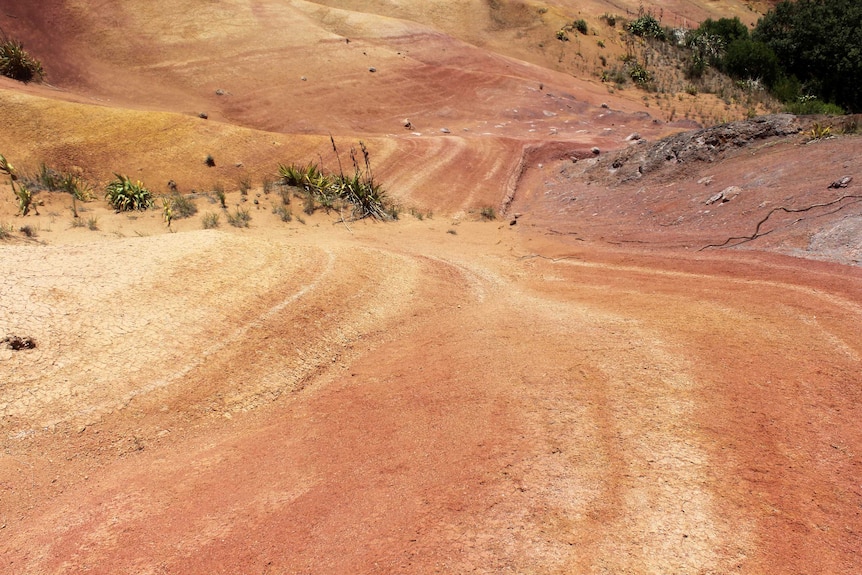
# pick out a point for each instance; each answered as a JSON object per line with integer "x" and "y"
{"x": 705, "y": 145}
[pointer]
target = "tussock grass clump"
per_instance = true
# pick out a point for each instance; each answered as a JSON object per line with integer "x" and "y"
{"x": 283, "y": 213}
{"x": 16, "y": 63}
{"x": 182, "y": 206}
{"x": 52, "y": 180}
{"x": 210, "y": 221}
{"x": 358, "y": 191}
{"x": 125, "y": 195}
{"x": 239, "y": 219}
{"x": 488, "y": 213}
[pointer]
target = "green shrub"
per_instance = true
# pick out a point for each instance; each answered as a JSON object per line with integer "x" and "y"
{"x": 125, "y": 195}
{"x": 808, "y": 105}
{"x": 580, "y": 26}
{"x": 639, "y": 74}
{"x": 17, "y": 64}
{"x": 818, "y": 42}
{"x": 751, "y": 59}
{"x": 647, "y": 26}
{"x": 488, "y": 213}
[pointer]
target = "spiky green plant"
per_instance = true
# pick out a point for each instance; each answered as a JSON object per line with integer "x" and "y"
{"x": 25, "y": 200}
{"x": 22, "y": 193}
{"x": 17, "y": 64}
{"x": 125, "y": 195}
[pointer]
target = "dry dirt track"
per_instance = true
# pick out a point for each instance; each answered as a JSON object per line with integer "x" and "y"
{"x": 402, "y": 399}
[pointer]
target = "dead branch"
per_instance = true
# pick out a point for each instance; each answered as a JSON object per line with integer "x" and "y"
{"x": 757, "y": 233}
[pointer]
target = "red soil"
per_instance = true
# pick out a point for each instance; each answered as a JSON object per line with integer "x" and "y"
{"x": 577, "y": 389}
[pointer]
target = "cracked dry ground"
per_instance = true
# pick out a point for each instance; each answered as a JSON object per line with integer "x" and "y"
{"x": 403, "y": 400}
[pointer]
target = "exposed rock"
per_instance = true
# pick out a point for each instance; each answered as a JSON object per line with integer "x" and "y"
{"x": 842, "y": 183}
{"x": 705, "y": 145}
{"x": 16, "y": 342}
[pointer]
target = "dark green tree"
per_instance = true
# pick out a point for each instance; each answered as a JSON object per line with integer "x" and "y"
{"x": 819, "y": 42}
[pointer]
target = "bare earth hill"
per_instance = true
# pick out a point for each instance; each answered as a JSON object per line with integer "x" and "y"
{"x": 648, "y": 362}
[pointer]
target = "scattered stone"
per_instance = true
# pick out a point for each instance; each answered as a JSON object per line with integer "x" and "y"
{"x": 715, "y": 198}
{"x": 304, "y": 79}
{"x": 15, "y": 342}
{"x": 407, "y": 123}
{"x": 595, "y": 150}
{"x": 725, "y": 195}
{"x": 513, "y": 222}
{"x": 220, "y": 92}
{"x": 548, "y": 114}
{"x": 445, "y": 130}
{"x": 842, "y": 183}
{"x": 372, "y": 69}
{"x": 203, "y": 115}
{"x": 705, "y": 180}
{"x": 633, "y": 137}
{"x": 605, "y": 106}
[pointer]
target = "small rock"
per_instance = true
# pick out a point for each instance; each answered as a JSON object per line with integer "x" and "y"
{"x": 548, "y": 113}
{"x": 842, "y": 183}
{"x": 605, "y": 106}
{"x": 372, "y": 69}
{"x": 715, "y": 198}
{"x": 203, "y": 115}
{"x": 445, "y": 130}
{"x": 705, "y": 181}
{"x": 633, "y": 137}
{"x": 407, "y": 123}
{"x": 513, "y": 222}
{"x": 595, "y": 150}
{"x": 304, "y": 79}
{"x": 220, "y": 92}
{"x": 15, "y": 342}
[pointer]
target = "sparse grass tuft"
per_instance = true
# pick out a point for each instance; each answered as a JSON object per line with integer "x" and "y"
{"x": 28, "y": 231}
{"x": 210, "y": 221}
{"x": 5, "y": 231}
{"x": 239, "y": 219}
{"x": 182, "y": 206}
{"x": 488, "y": 214}
{"x": 283, "y": 213}
{"x": 93, "y": 224}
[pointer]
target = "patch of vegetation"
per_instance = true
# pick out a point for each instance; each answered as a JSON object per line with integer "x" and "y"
{"x": 28, "y": 231}
{"x": 221, "y": 196}
{"x": 16, "y": 63}
{"x": 125, "y": 195}
{"x": 239, "y": 219}
{"x": 23, "y": 196}
{"x": 93, "y": 224}
{"x": 182, "y": 206}
{"x": 209, "y": 161}
{"x": 283, "y": 213}
{"x": 580, "y": 26}
{"x": 647, "y": 26}
{"x": 488, "y": 213}
{"x": 244, "y": 186}
{"x": 210, "y": 221}
{"x": 818, "y": 43}
{"x": 358, "y": 191}
{"x": 5, "y": 231}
